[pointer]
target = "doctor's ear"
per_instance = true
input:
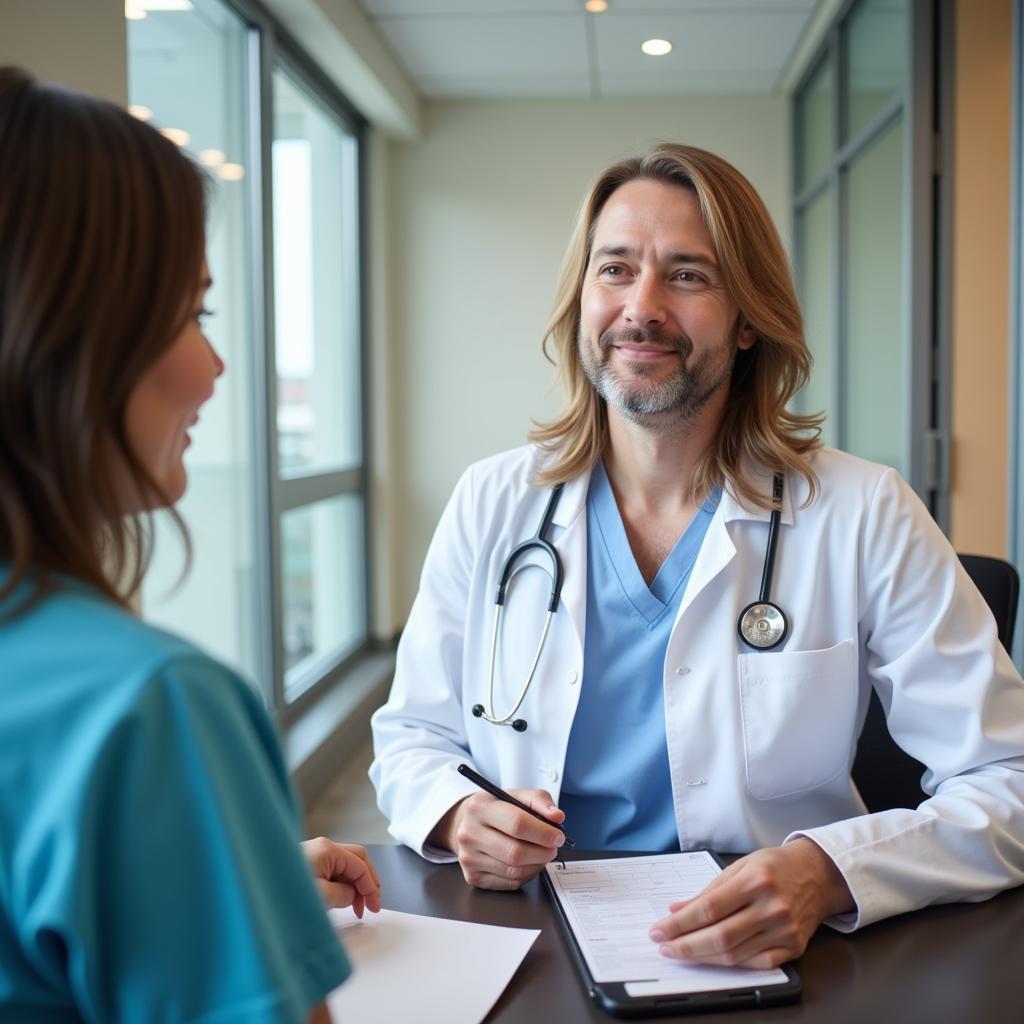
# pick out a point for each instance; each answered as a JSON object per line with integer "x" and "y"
{"x": 747, "y": 336}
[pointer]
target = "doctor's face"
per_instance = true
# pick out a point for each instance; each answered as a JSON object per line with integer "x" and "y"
{"x": 658, "y": 331}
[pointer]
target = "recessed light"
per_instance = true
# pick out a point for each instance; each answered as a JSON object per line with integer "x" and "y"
{"x": 596, "y": 6}
{"x": 211, "y": 157}
{"x": 133, "y": 12}
{"x": 231, "y": 172}
{"x": 656, "y": 47}
{"x": 139, "y": 111}
{"x": 178, "y": 136}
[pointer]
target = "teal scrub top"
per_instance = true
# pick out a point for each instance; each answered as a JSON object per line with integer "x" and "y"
{"x": 149, "y": 860}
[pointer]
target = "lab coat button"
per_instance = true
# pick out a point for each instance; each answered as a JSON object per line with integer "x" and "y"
{"x": 683, "y": 670}
{"x": 550, "y": 774}
{"x": 573, "y": 678}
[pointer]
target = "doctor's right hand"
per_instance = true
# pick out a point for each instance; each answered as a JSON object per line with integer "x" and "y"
{"x": 498, "y": 845}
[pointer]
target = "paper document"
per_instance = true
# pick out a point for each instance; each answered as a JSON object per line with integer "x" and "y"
{"x": 424, "y": 969}
{"x": 611, "y": 905}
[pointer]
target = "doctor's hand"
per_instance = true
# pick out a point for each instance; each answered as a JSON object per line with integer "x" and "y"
{"x": 344, "y": 874}
{"x": 498, "y": 845}
{"x": 759, "y": 912}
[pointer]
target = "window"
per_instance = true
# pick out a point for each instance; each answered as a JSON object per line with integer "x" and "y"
{"x": 865, "y": 135}
{"x": 276, "y": 501}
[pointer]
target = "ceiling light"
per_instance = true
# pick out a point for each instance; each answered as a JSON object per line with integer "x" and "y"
{"x": 231, "y": 172}
{"x": 596, "y": 6}
{"x": 656, "y": 47}
{"x": 178, "y": 136}
{"x": 164, "y": 5}
{"x": 133, "y": 11}
{"x": 139, "y": 111}
{"x": 211, "y": 157}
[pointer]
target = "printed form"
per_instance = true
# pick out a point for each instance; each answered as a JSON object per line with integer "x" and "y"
{"x": 611, "y": 905}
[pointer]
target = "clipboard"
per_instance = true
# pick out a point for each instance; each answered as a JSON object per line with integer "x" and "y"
{"x": 673, "y": 991}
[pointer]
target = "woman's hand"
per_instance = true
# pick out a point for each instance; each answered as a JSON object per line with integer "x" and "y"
{"x": 344, "y": 874}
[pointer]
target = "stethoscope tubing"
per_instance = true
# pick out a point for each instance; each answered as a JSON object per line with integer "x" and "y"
{"x": 539, "y": 542}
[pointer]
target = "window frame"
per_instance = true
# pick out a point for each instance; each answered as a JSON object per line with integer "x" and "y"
{"x": 270, "y": 47}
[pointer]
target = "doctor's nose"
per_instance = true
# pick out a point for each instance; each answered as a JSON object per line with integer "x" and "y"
{"x": 645, "y": 304}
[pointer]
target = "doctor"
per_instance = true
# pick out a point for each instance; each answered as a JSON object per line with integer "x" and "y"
{"x": 655, "y": 715}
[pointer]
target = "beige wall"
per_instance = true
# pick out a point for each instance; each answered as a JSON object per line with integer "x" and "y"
{"x": 481, "y": 210}
{"x": 981, "y": 278}
{"x": 79, "y": 43}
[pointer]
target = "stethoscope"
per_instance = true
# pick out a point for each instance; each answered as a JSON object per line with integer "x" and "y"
{"x": 762, "y": 625}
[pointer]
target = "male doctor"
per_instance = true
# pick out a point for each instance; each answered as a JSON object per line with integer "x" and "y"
{"x": 650, "y": 723}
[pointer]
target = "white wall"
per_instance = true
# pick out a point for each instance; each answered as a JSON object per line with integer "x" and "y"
{"x": 78, "y": 43}
{"x": 480, "y": 213}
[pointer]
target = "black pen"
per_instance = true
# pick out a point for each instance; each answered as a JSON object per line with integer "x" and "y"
{"x": 490, "y": 787}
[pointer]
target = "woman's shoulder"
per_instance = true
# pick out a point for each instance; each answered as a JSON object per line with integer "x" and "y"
{"x": 82, "y": 647}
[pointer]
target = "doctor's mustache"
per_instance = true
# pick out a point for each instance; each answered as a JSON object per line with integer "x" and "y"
{"x": 645, "y": 336}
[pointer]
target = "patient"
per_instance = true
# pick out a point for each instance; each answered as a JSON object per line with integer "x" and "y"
{"x": 150, "y": 867}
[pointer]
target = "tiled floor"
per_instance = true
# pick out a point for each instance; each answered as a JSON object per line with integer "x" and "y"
{"x": 347, "y": 812}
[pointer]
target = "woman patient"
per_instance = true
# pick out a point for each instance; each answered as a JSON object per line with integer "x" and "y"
{"x": 150, "y": 868}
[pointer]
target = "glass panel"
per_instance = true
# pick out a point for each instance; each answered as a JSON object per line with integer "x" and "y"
{"x": 315, "y": 285}
{"x": 817, "y": 299}
{"x": 876, "y": 59}
{"x": 324, "y": 586}
{"x": 187, "y": 73}
{"x": 814, "y": 110}
{"x": 874, "y": 385}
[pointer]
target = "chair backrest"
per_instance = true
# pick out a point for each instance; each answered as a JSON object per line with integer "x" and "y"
{"x": 884, "y": 774}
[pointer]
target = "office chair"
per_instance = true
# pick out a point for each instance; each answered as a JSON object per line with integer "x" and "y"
{"x": 885, "y": 775}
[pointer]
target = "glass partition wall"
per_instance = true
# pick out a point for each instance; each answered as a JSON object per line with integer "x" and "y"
{"x": 866, "y": 180}
{"x": 276, "y": 502}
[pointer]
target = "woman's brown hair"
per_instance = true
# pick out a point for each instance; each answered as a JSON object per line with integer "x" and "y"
{"x": 101, "y": 247}
{"x": 758, "y": 428}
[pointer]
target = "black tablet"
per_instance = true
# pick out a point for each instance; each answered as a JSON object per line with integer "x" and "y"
{"x": 606, "y": 907}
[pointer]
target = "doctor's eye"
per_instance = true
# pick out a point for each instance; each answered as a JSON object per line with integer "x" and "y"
{"x": 689, "y": 277}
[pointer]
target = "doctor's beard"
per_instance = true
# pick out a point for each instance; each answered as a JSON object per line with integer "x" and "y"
{"x": 657, "y": 404}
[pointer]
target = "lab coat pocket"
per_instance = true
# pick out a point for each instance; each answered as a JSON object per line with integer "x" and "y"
{"x": 798, "y": 711}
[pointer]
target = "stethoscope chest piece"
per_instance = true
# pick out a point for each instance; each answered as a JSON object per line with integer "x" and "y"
{"x": 763, "y": 625}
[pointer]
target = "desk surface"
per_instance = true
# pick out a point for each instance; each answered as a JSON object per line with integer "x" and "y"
{"x": 957, "y": 963}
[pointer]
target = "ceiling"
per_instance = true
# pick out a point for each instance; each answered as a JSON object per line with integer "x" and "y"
{"x": 477, "y": 49}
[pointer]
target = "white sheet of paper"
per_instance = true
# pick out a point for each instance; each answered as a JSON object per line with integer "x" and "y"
{"x": 611, "y": 905}
{"x": 407, "y": 967}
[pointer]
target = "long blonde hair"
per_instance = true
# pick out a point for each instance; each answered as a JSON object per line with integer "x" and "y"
{"x": 757, "y": 428}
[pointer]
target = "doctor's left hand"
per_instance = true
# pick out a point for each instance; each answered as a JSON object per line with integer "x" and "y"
{"x": 344, "y": 874}
{"x": 759, "y": 912}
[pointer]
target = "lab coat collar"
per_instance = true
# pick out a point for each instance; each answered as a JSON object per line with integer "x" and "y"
{"x": 732, "y": 508}
{"x": 574, "y": 500}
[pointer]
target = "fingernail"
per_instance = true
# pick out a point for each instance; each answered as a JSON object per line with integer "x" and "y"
{"x": 667, "y": 951}
{"x": 551, "y": 807}
{"x": 560, "y": 840}
{"x": 657, "y": 935}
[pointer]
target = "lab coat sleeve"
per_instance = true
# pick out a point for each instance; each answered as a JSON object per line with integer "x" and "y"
{"x": 418, "y": 735}
{"x": 954, "y": 701}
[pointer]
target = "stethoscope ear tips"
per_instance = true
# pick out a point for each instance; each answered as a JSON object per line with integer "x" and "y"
{"x": 519, "y": 725}
{"x": 478, "y": 710}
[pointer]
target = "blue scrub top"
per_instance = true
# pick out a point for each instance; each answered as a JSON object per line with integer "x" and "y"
{"x": 149, "y": 859}
{"x": 617, "y": 791}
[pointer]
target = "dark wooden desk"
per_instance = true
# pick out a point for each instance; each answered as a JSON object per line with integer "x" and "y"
{"x": 961, "y": 964}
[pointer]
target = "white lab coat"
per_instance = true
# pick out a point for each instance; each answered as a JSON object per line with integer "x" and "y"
{"x": 760, "y": 743}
